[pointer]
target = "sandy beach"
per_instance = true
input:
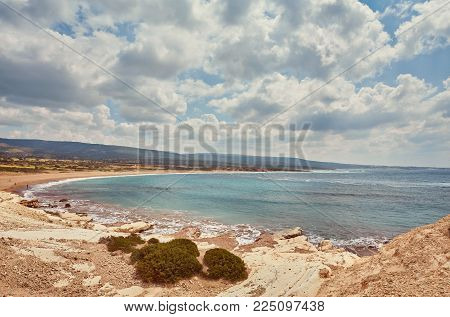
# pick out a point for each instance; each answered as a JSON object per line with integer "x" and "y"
{"x": 15, "y": 182}
{"x": 48, "y": 253}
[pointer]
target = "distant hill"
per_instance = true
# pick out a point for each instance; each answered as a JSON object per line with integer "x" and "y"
{"x": 111, "y": 153}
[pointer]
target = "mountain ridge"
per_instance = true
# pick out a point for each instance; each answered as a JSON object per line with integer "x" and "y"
{"x": 71, "y": 150}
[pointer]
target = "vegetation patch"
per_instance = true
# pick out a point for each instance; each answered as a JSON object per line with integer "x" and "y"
{"x": 186, "y": 245}
{"x": 180, "y": 244}
{"x": 152, "y": 241}
{"x": 125, "y": 244}
{"x": 172, "y": 261}
{"x": 167, "y": 262}
{"x": 224, "y": 264}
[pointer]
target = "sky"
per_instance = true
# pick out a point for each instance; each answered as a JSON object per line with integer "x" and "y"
{"x": 370, "y": 78}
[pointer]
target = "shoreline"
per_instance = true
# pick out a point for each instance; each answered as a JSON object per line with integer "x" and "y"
{"x": 360, "y": 249}
{"x": 16, "y": 182}
{"x": 32, "y": 236}
{"x": 57, "y": 254}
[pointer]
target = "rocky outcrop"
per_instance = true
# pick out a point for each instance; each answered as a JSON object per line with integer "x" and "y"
{"x": 74, "y": 217}
{"x": 135, "y": 227}
{"x": 289, "y": 233}
{"x": 34, "y": 203}
{"x": 325, "y": 245}
{"x": 291, "y": 267}
{"x": 416, "y": 263}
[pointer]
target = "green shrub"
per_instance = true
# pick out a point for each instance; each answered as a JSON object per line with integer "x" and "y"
{"x": 224, "y": 264}
{"x": 152, "y": 241}
{"x": 125, "y": 244}
{"x": 139, "y": 254}
{"x": 186, "y": 245}
{"x": 165, "y": 262}
{"x": 183, "y": 244}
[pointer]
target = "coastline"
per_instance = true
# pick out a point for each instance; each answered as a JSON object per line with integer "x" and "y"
{"x": 65, "y": 246}
{"x": 58, "y": 254}
{"x": 360, "y": 248}
{"x": 48, "y": 253}
{"x": 15, "y": 182}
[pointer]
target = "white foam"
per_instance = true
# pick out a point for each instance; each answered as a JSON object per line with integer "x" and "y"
{"x": 368, "y": 241}
{"x": 338, "y": 171}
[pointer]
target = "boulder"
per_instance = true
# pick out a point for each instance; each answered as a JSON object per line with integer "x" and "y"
{"x": 324, "y": 272}
{"x": 325, "y": 245}
{"x": 132, "y": 291}
{"x": 107, "y": 290}
{"x": 74, "y": 217}
{"x": 289, "y": 234}
{"x": 67, "y": 205}
{"x": 34, "y": 203}
{"x": 135, "y": 227}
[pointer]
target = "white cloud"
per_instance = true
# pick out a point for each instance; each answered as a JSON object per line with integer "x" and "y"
{"x": 338, "y": 107}
{"x": 264, "y": 56}
{"x": 401, "y": 9}
{"x": 305, "y": 38}
{"x": 424, "y": 33}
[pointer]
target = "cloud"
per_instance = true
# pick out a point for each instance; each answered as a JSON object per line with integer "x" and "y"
{"x": 157, "y": 101}
{"x": 263, "y": 56}
{"x": 159, "y": 52}
{"x": 303, "y": 38}
{"x": 337, "y": 107}
{"x": 40, "y": 83}
{"x": 234, "y": 11}
{"x": 423, "y": 34}
{"x": 401, "y": 9}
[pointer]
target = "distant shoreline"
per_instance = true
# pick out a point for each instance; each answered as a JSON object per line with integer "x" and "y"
{"x": 17, "y": 182}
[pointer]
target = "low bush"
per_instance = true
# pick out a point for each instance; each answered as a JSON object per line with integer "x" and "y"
{"x": 125, "y": 244}
{"x": 139, "y": 254}
{"x": 152, "y": 241}
{"x": 166, "y": 262}
{"x": 224, "y": 264}
{"x": 183, "y": 244}
{"x": 186, "y": 245}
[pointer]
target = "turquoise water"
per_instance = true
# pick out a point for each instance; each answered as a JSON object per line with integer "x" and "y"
{"x": 348, "y": 206}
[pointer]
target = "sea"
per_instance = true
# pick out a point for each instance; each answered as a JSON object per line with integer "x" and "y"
{"x": 359, "y": 207}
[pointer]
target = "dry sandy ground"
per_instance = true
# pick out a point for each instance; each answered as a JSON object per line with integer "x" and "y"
{"x": 13, "y": 182}
{"x": 48, "y": 255}
{"x": 416, "y": 263}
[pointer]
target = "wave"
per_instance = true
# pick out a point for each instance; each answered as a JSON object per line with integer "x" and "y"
{"x": 40, "y": 187}
{"x": 339, "y": 171}
{"x": 377, "y": 183}
{"x": 367, "y": 241}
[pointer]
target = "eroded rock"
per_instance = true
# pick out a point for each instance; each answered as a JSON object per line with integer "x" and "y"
{"x": 325, "y": 245}
{"x": 135, "y": 227}
{"x": 289, "y": 233}
{"x": 34, "y": 203}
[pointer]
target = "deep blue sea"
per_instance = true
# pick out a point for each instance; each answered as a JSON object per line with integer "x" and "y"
{"x": 354, "y": 206}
